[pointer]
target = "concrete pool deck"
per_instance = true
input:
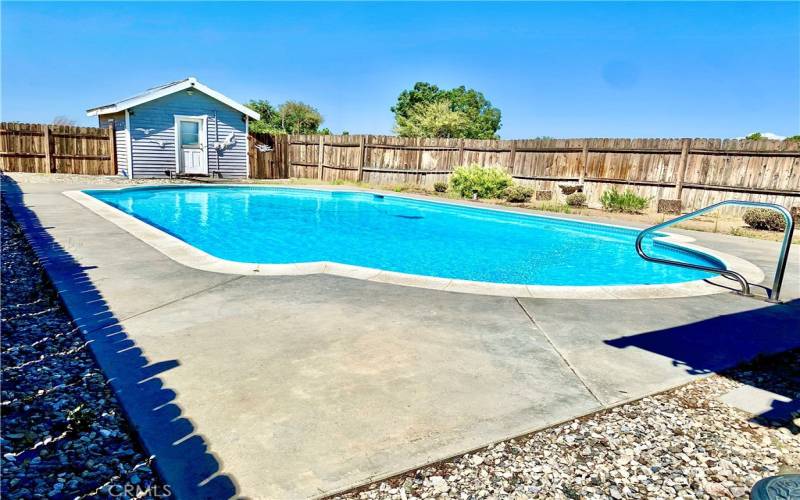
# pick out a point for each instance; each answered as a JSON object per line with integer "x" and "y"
{"x": 300, "y": 386}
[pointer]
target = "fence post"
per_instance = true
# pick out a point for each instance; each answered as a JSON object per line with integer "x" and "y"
{"x": 419, "y": 161}
{"x": 286, "y": 160}
{"x": 460, "y": 153}
{"x": 321, "y": 156}
{"x": 584, "y": 162}
{"x": 50, "y": 150}
{"x": 112, "y": 146}
{"x": 361, "y": 153}
{"x": 681, "y": 174}
{"x": 512, "y": 157}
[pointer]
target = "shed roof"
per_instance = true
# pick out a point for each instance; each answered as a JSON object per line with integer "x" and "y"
{"x": 167, "y": 89}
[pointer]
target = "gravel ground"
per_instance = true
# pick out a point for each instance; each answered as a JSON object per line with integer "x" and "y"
{"x": 681, "y": 444}
{"x": 63, "y": 433}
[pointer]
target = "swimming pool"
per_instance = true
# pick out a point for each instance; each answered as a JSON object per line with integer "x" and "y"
{"x": 280, "y": 225}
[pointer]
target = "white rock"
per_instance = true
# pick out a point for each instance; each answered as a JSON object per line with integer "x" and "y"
{"x": 439, "y": 484}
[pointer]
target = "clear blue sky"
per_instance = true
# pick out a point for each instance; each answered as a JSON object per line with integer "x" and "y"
{"x": 558, "y": 69}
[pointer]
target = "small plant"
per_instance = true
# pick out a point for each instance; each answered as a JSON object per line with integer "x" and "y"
{"x": 755, "y": 136}
{"x": 80, "y": 419}
{"x": 440, "y": 187}
{"x": 517, "y": 193}
{"x": 627, "y": 201}
{"x": 338, "y": 182}
{"x": 764, "y": 218}
{"x": 485, "y": 182}
{"x": 554, "y": 207}
{"x": 576, "y": 200}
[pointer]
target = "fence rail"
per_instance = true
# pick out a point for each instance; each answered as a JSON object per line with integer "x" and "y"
{"x": 697, "y": 171}
{"x": 33, "y": 147}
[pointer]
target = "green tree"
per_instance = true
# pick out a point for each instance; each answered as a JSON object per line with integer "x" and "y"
{"x": 270, "y": 120}
{"x": 755, "y": 136}
{"x": 478, "y": 119}
{"x": 299, "y": 118}
{"x": 422, "y": 93}
{"x": 483, "y": 120}
{"x": 64, "y": 120}
{"x": 793, "y": 138}
{"x": 291, "y": 117}
{"x": 431, "y": 119}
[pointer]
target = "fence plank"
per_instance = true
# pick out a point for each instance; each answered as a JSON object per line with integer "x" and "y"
{"x": 50, "y": 148}
{"x": 361, "y": 151}
{"x": 681, "y": 174}
{"x": 112, "y": 138}
{"x": 321, "y": 157}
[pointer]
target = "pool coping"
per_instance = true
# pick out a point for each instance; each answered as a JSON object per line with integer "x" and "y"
{"x": 190, "y": 256}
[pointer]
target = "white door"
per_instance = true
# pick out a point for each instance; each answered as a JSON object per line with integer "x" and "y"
{"x": 192, "y": 146}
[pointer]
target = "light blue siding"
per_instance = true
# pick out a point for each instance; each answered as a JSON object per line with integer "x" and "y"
{"x": 122, "y": 139}
{"x": 153, "y": 134}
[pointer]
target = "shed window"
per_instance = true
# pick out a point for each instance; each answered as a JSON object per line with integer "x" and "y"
{"x": 190, "y": 133}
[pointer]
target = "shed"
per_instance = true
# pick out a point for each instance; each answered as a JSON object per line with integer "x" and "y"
{"x": 181, "y": 127}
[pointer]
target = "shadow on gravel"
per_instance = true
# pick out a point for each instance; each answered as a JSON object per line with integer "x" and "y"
{"x": 148, "y": 404}
{"x": 715, "y": 344}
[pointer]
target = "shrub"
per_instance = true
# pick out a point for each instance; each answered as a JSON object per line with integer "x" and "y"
{"x": 440, "y": 187}
{"x": 576, "y": 200}
{"x": 517, "y": 193}
{"x": 628, "y": 201}
{"x": 793, "y": 138}
{"x": 755, "y": 136}
{"x": 764, "y": 218}
{"x": 487, "y": 182}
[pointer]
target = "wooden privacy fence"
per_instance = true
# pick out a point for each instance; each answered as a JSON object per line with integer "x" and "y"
{"x": 267, "y": 156}
{"x": 697, "y": 171}
{"x": 33, "y": 147}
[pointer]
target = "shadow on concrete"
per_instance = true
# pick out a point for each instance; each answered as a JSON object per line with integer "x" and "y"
{"x": 755, "y": 338}
{"x": 182, "y": 457}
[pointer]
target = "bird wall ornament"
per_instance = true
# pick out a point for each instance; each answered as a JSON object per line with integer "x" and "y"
{"x": 229, "y": 141}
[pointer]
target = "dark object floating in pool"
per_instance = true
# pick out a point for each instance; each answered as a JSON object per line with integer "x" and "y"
{"x": 782, "y": 487}
{"x": 379, "y": 196}
{"x": 409, "y": 216}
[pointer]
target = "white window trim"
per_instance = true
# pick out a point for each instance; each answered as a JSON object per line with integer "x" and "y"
{"x": 129, "y": 143}
{"x": 247, "y": 143}
{"x": 203, "y": 138}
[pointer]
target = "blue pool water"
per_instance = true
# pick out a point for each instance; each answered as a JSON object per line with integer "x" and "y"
{"x": 288, "y": 225}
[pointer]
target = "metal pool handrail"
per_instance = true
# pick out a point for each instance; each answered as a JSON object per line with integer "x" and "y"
{"x": 779, "y": 271}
